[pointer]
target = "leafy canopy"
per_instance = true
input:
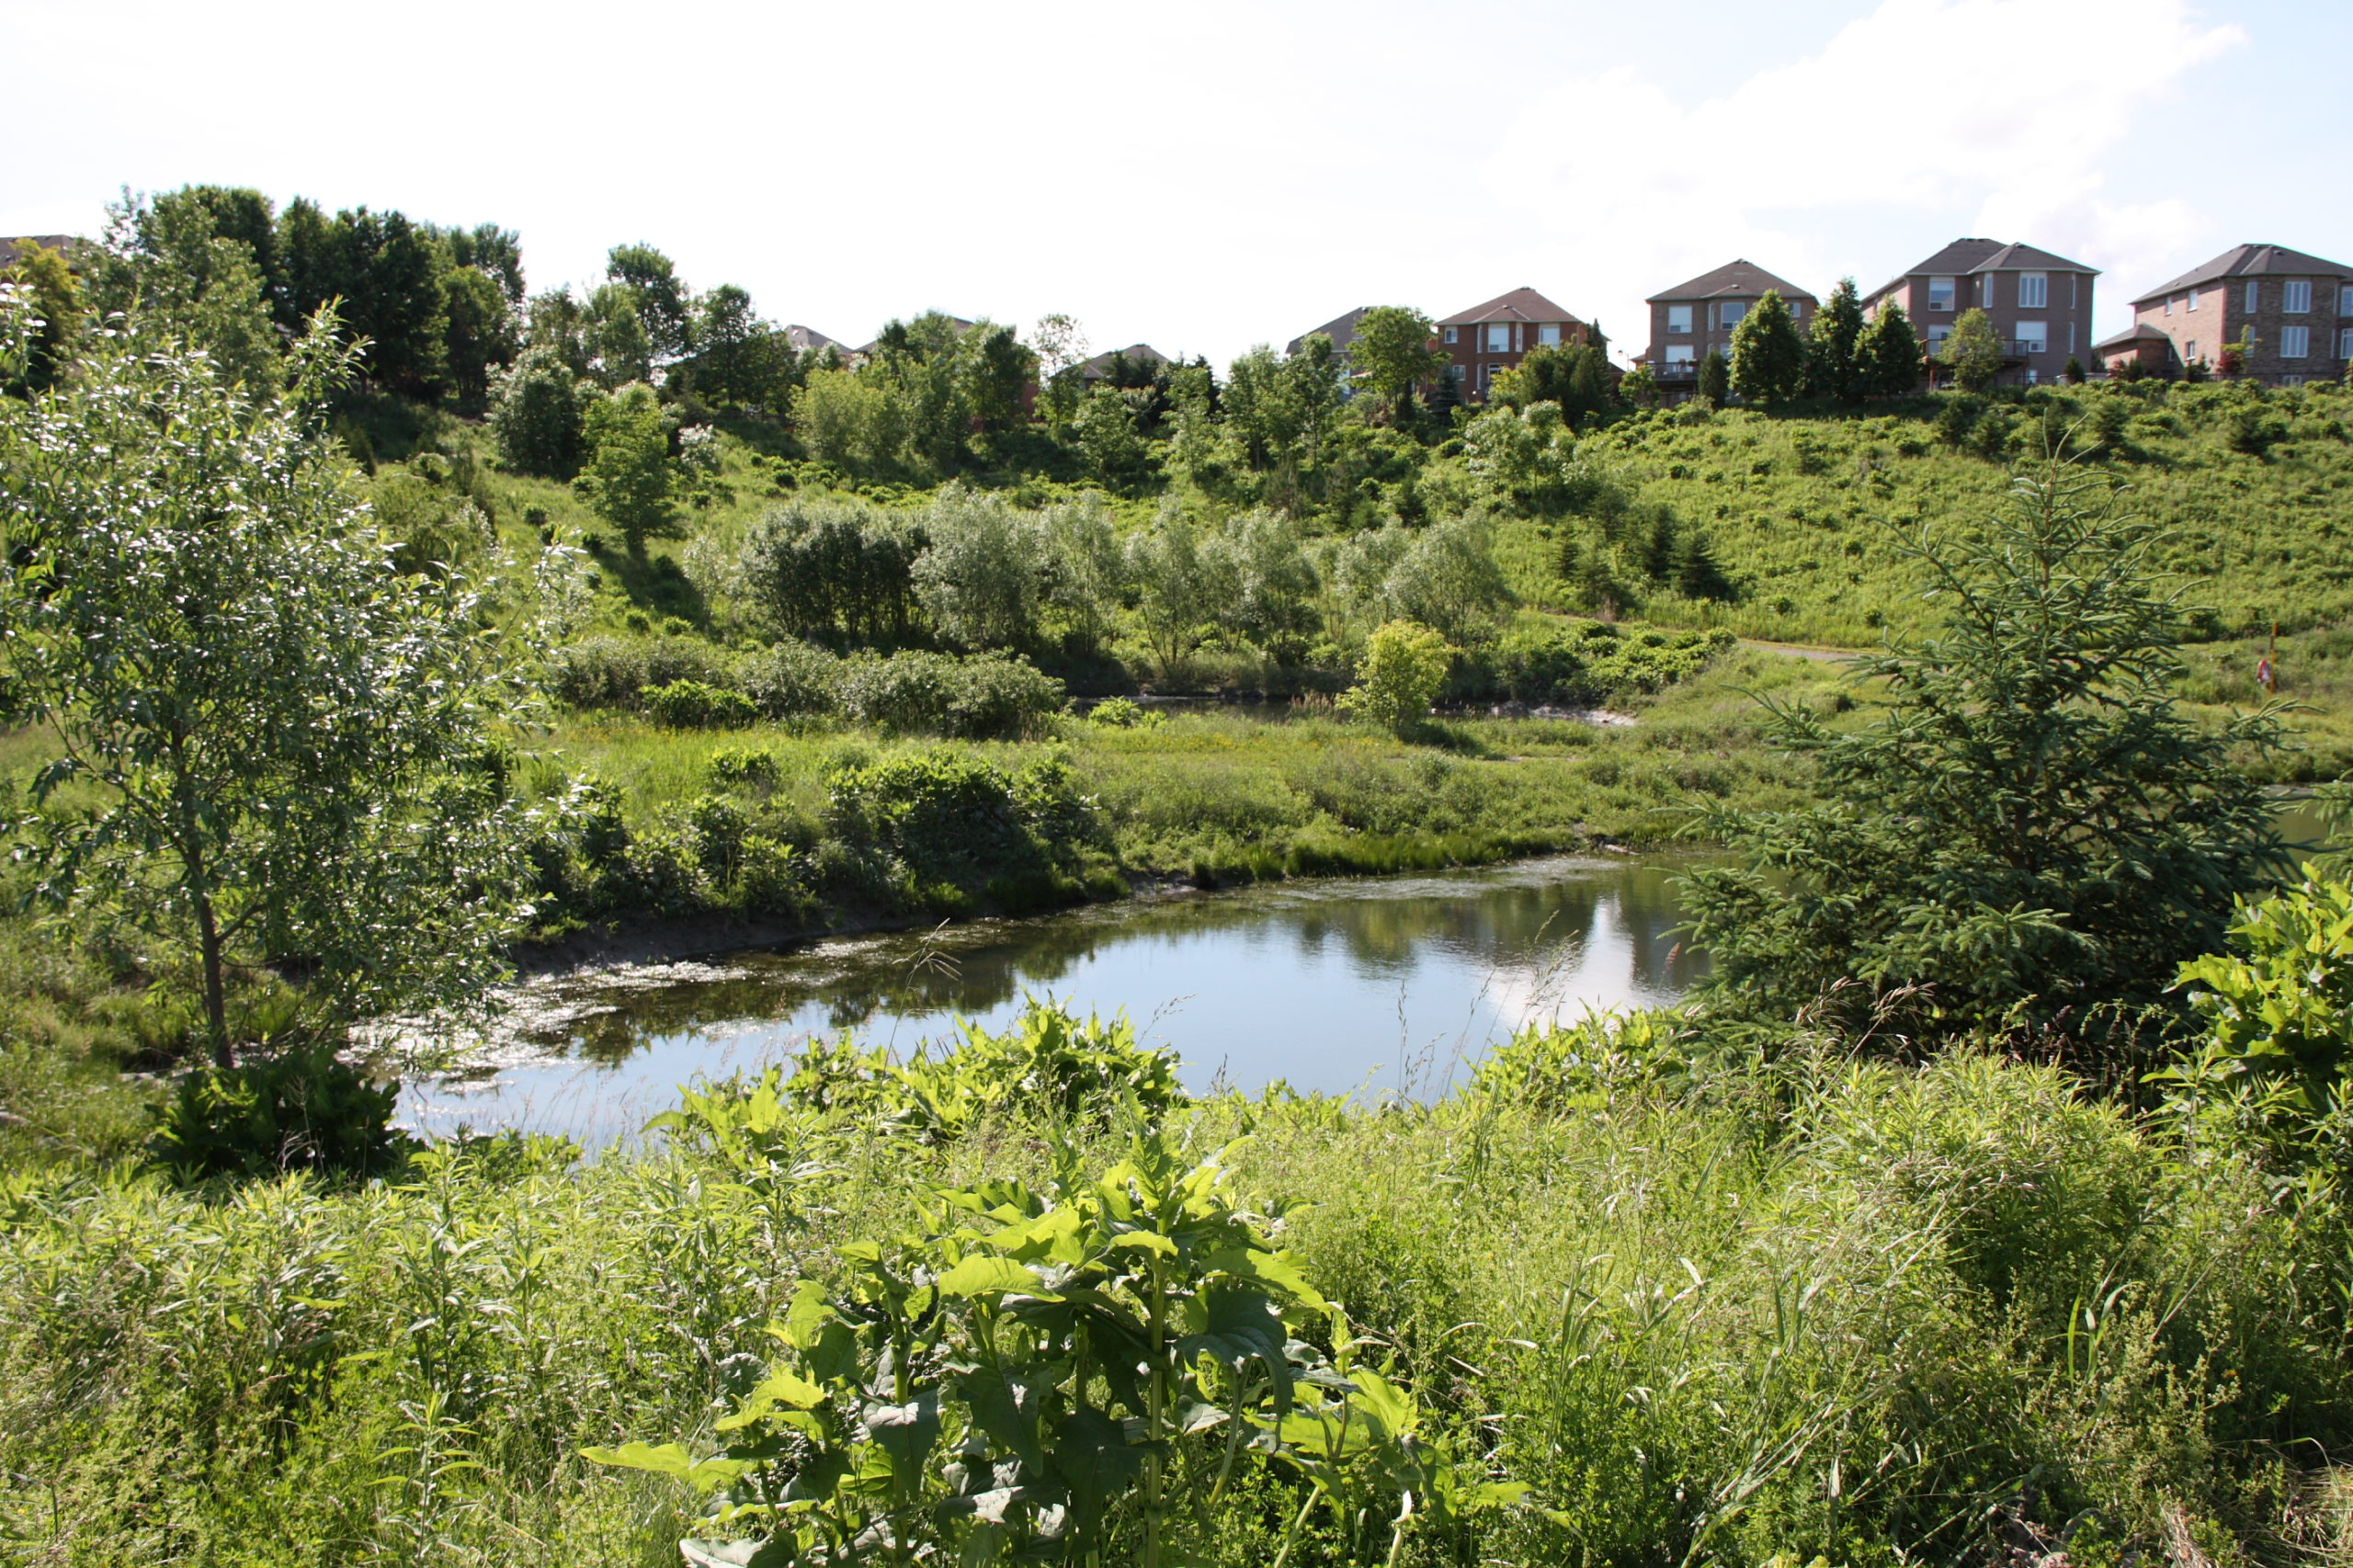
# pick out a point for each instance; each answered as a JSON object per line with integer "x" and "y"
{"x": 275, "y": 745}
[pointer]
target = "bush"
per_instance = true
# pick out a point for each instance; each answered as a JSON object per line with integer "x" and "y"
{"x": 695, "y": 705}
{"x": 741, "y": 767}
{"x": 612, "y": 672}
{"x": 975, "y": 699}
{"x": 1405, "y": 666}
{"x": 793, "y": 679}
{"x": 1122, "y": 713}
{"x": 1591, "y": 662}
{"x": 302, "y": 1111}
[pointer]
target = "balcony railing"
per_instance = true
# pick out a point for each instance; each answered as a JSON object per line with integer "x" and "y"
{"x": 1677, "y": 370}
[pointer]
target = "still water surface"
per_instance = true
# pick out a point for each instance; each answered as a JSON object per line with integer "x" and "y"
{"x": 1372, "y": 986}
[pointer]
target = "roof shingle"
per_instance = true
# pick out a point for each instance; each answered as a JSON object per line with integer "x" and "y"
{"x": 1743, "y": 280}
{"x": 2250, "y": 261}
{"x": 1520, "y": 304}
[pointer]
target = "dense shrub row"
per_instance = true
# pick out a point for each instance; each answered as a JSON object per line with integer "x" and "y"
{"x": 688, "y": 683}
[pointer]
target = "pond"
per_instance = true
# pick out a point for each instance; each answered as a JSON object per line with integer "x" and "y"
{"x": 1373, "y": 986}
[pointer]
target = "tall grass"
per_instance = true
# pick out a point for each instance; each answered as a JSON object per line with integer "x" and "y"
{"x": 1864, "y": 1313}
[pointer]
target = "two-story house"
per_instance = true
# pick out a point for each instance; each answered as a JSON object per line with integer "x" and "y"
{"x": 2041, "y": 304}
{"x": 1486, "y": 340}
{"x": 2292, "y": 312}
{"x": 1691, "y": 319}
{"x": 1341, "y": 330}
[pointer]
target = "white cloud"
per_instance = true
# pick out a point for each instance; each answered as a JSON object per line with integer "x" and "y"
{"x": 2001, "y": 110}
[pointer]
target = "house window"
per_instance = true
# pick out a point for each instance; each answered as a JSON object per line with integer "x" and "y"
{"x": 2071, "y": 337}
{"x": 1678, "y": 318}
{"x": 2345, "y": 299}
{"x": 2254, "y": 297}
{"x": 2296, "y": 298}
{"x": 2291, "y": 381}
{"x": 1451, "y": 333}
{"x": 1941, "y": 290}
{"x": 2168, "y": 304}
{"x": 1680, "y": 353}
{"x": 2191, "y": 303}
{"x": 2295, "y": 342}
{"x": 1549, "y": 336}
{"x": 2345, "y": 343}
{"x": 1985, "y": 289}
{"x": 1499, "y": 337}
{"x": 1936, "y": 335}
{"x": 2034, "y": 289}
{"x": 1729, "y": 312}
{"x": 2033, "y": 338}
{"x": 2190, "y": 350}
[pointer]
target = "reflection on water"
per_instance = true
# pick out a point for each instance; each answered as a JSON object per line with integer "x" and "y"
{"x": 1372, "y": 985}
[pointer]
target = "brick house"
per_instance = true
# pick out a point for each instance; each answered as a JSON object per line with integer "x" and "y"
{"x": 2041, "y": 304}
{"x": 1691, "y": 318}
{"x": 1486, "y": 340}
{"x": 2295, "y": 311}
{"x": 1139, "y": 357}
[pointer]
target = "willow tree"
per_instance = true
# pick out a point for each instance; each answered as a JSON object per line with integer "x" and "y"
{"x": 273, "y": 745}
{"x": 2028, "y": 824}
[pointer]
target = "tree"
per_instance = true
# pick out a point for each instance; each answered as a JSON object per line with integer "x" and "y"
{"x": 1527, "y": 456}
{"x": 1714, "y": 380}
{"x": 1769, "y": 359}
{"x": 827, "y": 568}
{"x": 1639, "y": 387}
{"x": 479, "y": 334}
{"x": 1395, "y": 350}
{"x": 1115, "y": 450}
{"x": 45, "y": 288}
{"x": 1273, "y": 585}
{"x": 2030, "y": 825}
{"x": 740, "y": 361}
{"x": 2073, "y": 371}
{"x": 1405, "y": 666}
{"x": 272, "y": 745}
{"x": 1887, "y": 356}
{"x": 1972, "y": 353}
{"x": 852, "y": 420}
{"x": 1180, "y": 588}
{"x": 612, "y": 335}
{"x": 983, "y": 578}
{"x": 1087, "y": 572}
{"x": 1282, "y": 410}
{"x": 1574, "y": 376}
{"x": 997, "y": 369}
{"x": 627, "y": 477}
{"x": 1834, "y": 364}
{"x": 536, "y": 416}
{"x": 164, "y": 265}
{"x": 660, "y": 299}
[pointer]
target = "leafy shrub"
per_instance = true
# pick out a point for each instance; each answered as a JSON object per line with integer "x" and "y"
{"x": 695, "y": 705}
{"x": 1592, "y": 662}
{"x": 1559, "y": 1069}
{"x": 743, "y": 767}
{"x": 613, "y": 672}
{"x": 976, "y": 699}
{"x": 1405, "y": 666}
{"x": 305, "y": 1110}
{"x": 770, "y": 877}
{"x": 938, "y": 808}
{"x": 793, "y": 678}
{"x": 1121, "y": 713}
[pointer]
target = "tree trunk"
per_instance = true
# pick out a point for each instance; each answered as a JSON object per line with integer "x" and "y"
{"x": 216, "y": 1001}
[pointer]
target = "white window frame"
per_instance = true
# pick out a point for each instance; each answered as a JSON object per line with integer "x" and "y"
{"x": 2296, "y": 297}
{"x": 1547, "y": 335}
{"x": 2345, "y": 299}
{"x": 1952, "y": 292}
{"x": 1498, "y": 337}
{"x": 1985, "y": 291}
{"x": 1682, "y": 353}
{"x": 1678, "y": 318}
{"x": 1938, "y": 332}
{"x": 2191, "y": 303}
{"x": 2295, "y": 342}
{"x": 1452, "y": 334}
{"x": 2034, "y": 290}
{"x": 2345, "y": 343}
{"x": 2040, "y": 338}
{"x": 1728, "y": 314}
{"x": 2254, "y": 297}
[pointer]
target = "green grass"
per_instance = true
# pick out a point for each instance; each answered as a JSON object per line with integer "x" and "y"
{"x": 1853, "y": 1311}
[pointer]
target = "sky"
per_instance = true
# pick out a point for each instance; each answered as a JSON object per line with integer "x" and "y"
{"x": 1209, "y": 176}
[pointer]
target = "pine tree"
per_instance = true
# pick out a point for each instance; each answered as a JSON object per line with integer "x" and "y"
{"x": 1834, "y": 366}
{"x": 1887, "y": 356}
{"x": 1768, "y": 356}
{"x": 1715, "y": 380}
{"x": 2030, "y": 825}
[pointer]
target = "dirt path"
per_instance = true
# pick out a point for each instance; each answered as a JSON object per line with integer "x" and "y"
{"x": 1800, "y": 650}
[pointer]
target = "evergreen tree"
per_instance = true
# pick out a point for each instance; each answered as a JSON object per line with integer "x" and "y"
{"x": 1835, "y": 367}
{"x": 2030, "y": 825}
{"x": 1887, "y": 354}
{"x": 1715, "y": 380}
{"x": 1768, "y": 359}
{"x": 1972, "y": 353}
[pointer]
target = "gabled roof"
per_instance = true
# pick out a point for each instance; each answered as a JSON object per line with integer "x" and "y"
{"x": 1341, "y": 330}
{"x": 804, "y": 338}
{"x": 1134, "y": 354}
{"x": 959, "y": 323}
{"x": 1520, "y": 304}
{"x": 1733, "y": 279}
{"x": 1966, "y": 256}
{"x": 2251, "y": 261}
{"x": 2140, "y": 332}
{"x": 2027, "y": 258}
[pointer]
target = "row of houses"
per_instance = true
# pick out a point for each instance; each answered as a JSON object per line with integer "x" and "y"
{"x": 2290, "y": 315}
